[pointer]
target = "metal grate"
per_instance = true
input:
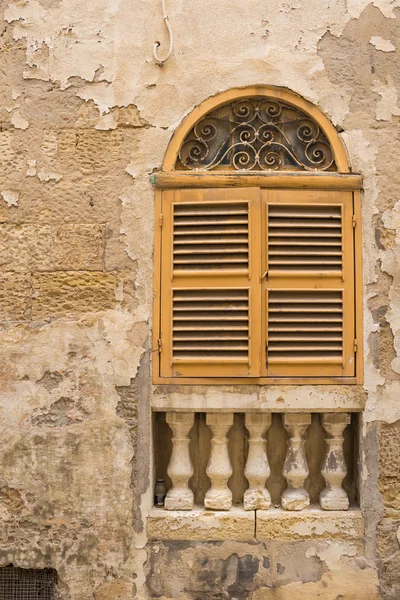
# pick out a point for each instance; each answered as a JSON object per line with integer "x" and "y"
{"x": 27, "y": 584}
{"x": 256, "y": 134}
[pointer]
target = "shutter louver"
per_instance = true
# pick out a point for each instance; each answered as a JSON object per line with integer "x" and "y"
{"x": 309, "y": 291}
{"x": 304, "y": 238}
{"x": 211, "y": 324}
{"x": 257, "y": 284}
{"x": 303, "y": 325}
{"x": 211, "y": 236}
{"x": 210, "y": 283}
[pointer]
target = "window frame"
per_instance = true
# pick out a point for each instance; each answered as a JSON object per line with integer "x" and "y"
{"x": 333, "y": 182}
{"x": 340, "y": 180}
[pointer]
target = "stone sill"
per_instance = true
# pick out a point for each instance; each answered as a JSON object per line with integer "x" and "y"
{"x": 311, "y": 524}
{"x": 238, "y": 524}
{"x": 201, "y": 524}
{"x": 298, "y": 399}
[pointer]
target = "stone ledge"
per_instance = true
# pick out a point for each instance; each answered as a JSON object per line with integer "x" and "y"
{"x": 313, "y": 398}
{"x": 201, "y": 524}
{"x": 238, "y": 524}
{"x": 314, "y": 523}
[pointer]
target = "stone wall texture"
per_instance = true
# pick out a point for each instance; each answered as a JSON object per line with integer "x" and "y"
{"x": 86, "y": 116}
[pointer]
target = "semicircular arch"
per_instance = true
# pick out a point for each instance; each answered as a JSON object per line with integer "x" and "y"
{"x": 273, "y": 143}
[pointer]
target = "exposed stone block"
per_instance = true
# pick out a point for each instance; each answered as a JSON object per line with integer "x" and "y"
{"x": 388, "y": 548}
{"x": 116, "y": 256}
{"x": 23, "y": 247}
{"x": 15, "y": 301}
{"x": 72, "y": 293}
{"x": 11, "y": 159}
{"x": 309, "y": 524}
{"x": 388, "y": 542}
{"x": 389, "y": 487}
{"x": 93, "y": 198}
{"x": 80, "y": 247}
{"x": 389, "y": 463}
{"x": 199, "y": 524}
{"x": 115, "y": 590}
{"x": 343, "y": 584}
{"x": 44, "y": 247}
{"x": 389, "y": 449}
{"x": 91, "y": 150}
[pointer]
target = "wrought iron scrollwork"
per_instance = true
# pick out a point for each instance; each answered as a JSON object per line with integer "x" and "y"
{"x": 256, "y": 134}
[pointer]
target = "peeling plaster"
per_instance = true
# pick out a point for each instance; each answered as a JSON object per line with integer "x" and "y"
{"x": 381, "y": 44}
{"x": 10, "y": 197}
{"x": 58, "y": 37}
{"x": 18, "y": 120}
{"x": 332, "y": 554}
{"x": 86, "y": 73}
{"x": 31, "y": 170}
{"x": 100, "y": 39}
{"x": 45, "y": 176}
{"x": 387, "y": 107}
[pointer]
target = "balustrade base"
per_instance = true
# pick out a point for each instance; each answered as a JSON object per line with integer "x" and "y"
{"x": 200, "y": 524}
{"x": 258, "y": 499}
{"x": 177, "y": 499}
{"x": 334, "y": 500}
{"x": 239, "y": 524}
{"x": 312, "y": 523}
{"x": 218, "y": 499}
{"x": 295, "y": 499}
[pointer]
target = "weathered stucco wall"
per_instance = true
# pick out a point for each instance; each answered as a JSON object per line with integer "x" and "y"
{"x": 86, "y": 117}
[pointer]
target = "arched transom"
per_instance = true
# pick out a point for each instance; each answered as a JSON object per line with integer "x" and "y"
{"x": 256, "y": 133}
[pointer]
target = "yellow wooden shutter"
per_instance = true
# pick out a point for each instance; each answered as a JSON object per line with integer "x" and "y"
{"x": 210, "y": 283}
{"x": 308, "y": 290}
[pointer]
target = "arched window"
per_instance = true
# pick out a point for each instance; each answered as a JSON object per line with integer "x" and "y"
{"x": 257, "y": 256}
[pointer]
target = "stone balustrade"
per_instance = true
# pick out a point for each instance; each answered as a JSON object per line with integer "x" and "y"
{"x": 295, "y": 469}
{"x": 257, "y": 468}
{"x": 180, "y": 496}
{"x": 219, "y": 468}
{"x": 257, "y": 461}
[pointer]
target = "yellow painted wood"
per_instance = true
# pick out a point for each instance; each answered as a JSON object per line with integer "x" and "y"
{"x": 166, "y": 283}
{"x": 358, "y": 287}
{"x": 277, "y": 93}
{"x": 157, "y": 288}
{"x": 342, "y": 281}
{"x": 255, "y": 289}
{"x": 349, "y": 370}
{"x": 248, "y": 381}
{"x": 284, "y": 179}
{"x": 201, "y": 280}
{"x": 349, "y": 358}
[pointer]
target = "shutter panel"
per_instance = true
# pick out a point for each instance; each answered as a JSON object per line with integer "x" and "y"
{"x": 210, "y": 291}
{"x": 309, "y": 290}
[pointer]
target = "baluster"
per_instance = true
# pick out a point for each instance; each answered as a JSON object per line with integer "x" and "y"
{"x": 180, "y": 468}
{"x": 333, "y": 497}
{"x": 219, "y": 468}
{"x": 295, "y": 469}
{"x": 257, "y": 469}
